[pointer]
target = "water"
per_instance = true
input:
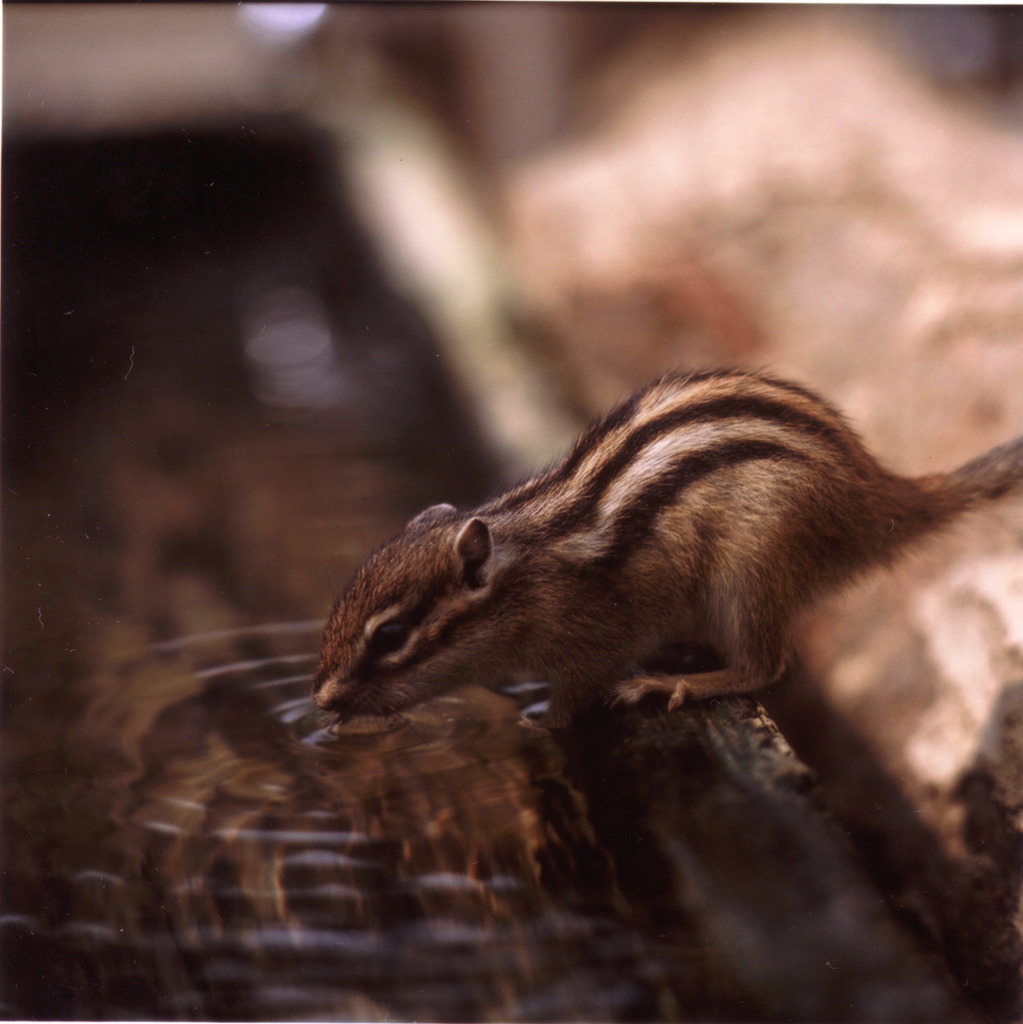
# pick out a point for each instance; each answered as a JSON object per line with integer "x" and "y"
{"x": 242, "y": 859}
{"x": 213, "y": 412}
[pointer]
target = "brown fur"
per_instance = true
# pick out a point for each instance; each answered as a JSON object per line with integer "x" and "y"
{"x": 705, "y": 510}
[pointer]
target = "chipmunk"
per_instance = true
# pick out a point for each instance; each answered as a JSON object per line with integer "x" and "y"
{"x": 705, "y": 510}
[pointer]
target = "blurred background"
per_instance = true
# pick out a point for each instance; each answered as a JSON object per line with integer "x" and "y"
{"x": 275, "y": 277}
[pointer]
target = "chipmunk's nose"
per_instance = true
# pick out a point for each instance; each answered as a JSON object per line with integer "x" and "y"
{"x": 319, "y": 680}
{"x": 327, "y": 688}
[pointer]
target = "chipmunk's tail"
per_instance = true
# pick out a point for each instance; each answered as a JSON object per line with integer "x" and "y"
{"x": 994, "y": 475}
{"x": 937, "y": 500}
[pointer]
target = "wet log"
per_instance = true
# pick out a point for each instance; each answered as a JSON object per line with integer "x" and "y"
{"x": 756, "y": 904}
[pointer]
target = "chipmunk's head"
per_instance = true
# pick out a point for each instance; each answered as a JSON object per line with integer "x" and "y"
{"x": 403, "y": 632}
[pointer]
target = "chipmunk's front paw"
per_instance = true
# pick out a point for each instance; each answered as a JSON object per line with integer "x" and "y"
{"x": 634, "y": 690}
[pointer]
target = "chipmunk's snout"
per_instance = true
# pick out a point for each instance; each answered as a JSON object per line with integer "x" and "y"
{"x": 350, "y": 697}
{"x": 319, "y": 681}
{"x": 329, "y": 691}
{"x": 332, "y": 701}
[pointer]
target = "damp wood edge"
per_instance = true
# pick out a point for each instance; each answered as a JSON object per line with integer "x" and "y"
{"x": 722, "y": 848}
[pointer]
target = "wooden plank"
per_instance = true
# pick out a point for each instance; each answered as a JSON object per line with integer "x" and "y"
{"x": 724, "y": 854}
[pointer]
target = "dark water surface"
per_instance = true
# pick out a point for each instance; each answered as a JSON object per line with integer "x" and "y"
{"x": 238, "y": 860}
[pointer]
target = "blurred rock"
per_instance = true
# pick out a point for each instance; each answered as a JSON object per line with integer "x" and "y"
{"x": 850, "y": 228}
{"x": 848, "y": 213}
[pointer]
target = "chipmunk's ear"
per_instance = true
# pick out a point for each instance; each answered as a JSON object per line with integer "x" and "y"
{"x": 475, "y": 548}
{"x": 433, "y": 512}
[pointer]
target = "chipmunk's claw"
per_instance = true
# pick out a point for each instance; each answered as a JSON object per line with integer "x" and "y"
{"x": 678, "y": 698}
{"x": 634, "y": 690}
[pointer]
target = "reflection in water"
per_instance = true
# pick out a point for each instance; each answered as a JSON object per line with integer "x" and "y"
{"x": 282, "y": 869}
{"x": 288, "y": 343}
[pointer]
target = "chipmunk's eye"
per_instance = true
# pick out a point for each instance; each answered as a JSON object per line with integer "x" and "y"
{"x": 388, "y": 637}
